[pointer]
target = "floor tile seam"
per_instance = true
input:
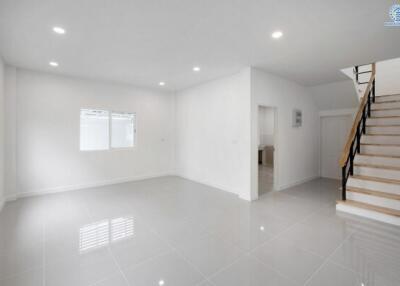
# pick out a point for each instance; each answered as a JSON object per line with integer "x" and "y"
{"x": 300, "y": 248}
{"x": 363, "y": 233}
{"x": 144, "y": 261}
{"x": 44, "y": 255}
{"x": 174, "y": 249}
{"x": 374, "y": 251}
{"x": 351, "y": 269}
{"x": 366, "y": 231}
{"x": 345, "y": 267}
{"x": 214, "y": 274}
{"x": 319, "y": 255}
{"x": 251, "y": 253}
{"x": 254, "y": 256}
{"x": 32, "y": 267}
{"x": 22, "y": 249}
{"x": 209, "y": 282}
{"x": 311, "y": 214}
{"x": 16, "y": 274}
{"x": 326, "y": 260}
{"x": 118, "y": 266}
{"x": 182, "y": 256}
{"x": 275, "y": 237}
{"x": 328, "y": 224}
{"x": 108, "y": 248}
{"x": 247, "y": 250}
{"x": 102, "y": 280}
{"x": 303, "y": 199}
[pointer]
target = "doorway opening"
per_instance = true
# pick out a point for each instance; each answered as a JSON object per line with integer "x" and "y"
{"x": 266, "y": 149}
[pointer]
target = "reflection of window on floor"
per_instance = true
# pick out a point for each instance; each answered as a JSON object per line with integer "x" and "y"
{"x": 102, "y": 233}
{"x": 121, "y": 228}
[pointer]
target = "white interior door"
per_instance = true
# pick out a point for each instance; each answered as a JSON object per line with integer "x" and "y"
{"x": 334, "y": 132}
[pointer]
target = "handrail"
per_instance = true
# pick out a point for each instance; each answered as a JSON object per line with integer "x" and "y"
{"x": 350, "y": 139}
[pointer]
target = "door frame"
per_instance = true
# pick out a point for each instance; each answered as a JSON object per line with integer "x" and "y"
{"x": 276, "y": 150}
{"x": 330, "y": 113}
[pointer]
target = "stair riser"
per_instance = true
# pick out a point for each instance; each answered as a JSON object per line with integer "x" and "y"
{"x": 372, "y": 185}
{"x": 387, "y": 98}
{"x": 374, "y": 200}
{"x": 383, "y": 121}
{"x": 381, "y": 150}
{"x": 386, "y": 105}
{"x": 385, "y": 161}
{"x": 369, "y": 214}
{"x": 380, "y": 139}
{"x": 390, "y": 112}
{"x": 384, "y": 130}
{"x": 375, "y": 172}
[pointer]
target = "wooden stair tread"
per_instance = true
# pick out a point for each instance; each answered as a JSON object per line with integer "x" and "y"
{"x": 373, "y": 193}
{"x": 370, "y": 207}
{"x": 386, "y": 125}
{"x": 387, "y": 101}
{"x": 378, "y": 155}
{"x": 377, "y": 166}
{"x": 385, "y": 109}
{"x": 376, "y": 179}
{"x": 386, "y": 95}
{"x": 380, "y": 144}
{"x": 387, "y": 116}
{"x": 380, "y": 134}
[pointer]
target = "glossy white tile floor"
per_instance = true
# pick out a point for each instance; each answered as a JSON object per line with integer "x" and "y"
{"x": 265, "y": 179}
{"x": 170, "y": 231}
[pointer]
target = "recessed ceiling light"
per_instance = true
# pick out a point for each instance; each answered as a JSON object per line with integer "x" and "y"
{"x": 277, "y": 34}
{"x": 161, "y": 282}
{"x": 196, "y": 69}
{"x": 161, "y": 83}
{"x": 59, "y": 30}
{"x": 53, "y": 64}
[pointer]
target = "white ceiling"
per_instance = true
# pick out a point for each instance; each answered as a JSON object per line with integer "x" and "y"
{"x": 147, "y": 41}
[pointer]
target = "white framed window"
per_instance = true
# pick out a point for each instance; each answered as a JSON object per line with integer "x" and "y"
{"x": 94, "y": 130}
{"x": 105, "y": 130}
{"x": 122, "y": 130}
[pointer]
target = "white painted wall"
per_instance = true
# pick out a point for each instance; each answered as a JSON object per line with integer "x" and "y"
{"x": 11, "y": 132}
{"x": 265, "y": 126}
{"x": 207, "y": 133}
{"x": 334, "y": 133}
{"x": 336, "y": 95}
{"x": 2, "y": 133}
{"x": 47, "y": 133}
{"x": 296, "y": 149}
{"x": 387, "y": 77}
{"x": 213, "y": 133}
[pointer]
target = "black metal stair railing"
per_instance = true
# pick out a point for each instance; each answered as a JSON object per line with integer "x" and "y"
{"x": 357, "y": 73}
{"x": 353, "y": 144}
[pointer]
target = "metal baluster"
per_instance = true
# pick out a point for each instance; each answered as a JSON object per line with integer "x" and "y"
{"x": 351, "y": 159}
{"x": 344, "y": 182}
{"x": 364, "y": 121}
{"x": 356, "y": 68}
{"x": 373, "y": 91}
{"x": 358, "y": 147}
{"x": 369, "y": 104}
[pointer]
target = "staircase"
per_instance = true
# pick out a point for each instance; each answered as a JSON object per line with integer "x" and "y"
{"x": 371, "y": 159}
